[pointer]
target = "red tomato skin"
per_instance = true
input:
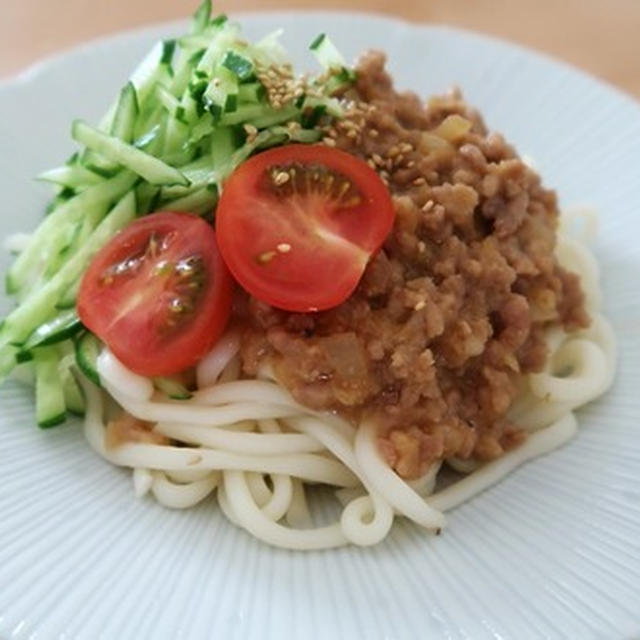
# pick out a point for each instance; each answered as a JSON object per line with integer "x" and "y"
{"x": 321, "y": 264}
{"x": 139, "y": 337}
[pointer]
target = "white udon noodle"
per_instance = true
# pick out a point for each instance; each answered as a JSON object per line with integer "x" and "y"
{"x": 254, "y": 444}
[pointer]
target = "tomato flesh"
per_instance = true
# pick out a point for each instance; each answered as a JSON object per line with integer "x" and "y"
{"x": 297, "y": 225}
{"x": 158, "y": 294}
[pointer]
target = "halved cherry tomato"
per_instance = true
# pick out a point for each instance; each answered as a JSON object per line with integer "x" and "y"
{"x": 158, "y": 294}
{"x": 298, "y": 224}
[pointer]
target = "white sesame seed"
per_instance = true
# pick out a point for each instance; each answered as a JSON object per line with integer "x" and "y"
{"x": 266, "y": 257}
{"x": 280, "y": 178}
{"x": 284, "y": 247}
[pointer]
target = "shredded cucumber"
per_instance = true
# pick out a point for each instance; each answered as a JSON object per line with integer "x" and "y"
{"x": 172, "y": 388}
{"x": 39, "y": 307}
{"x": 45, "y": 237}
{"x": 73, "y": 177}
{"x": 59, "y": 328}
{"x": 50, "y": 404}
{"x": 124, "y": 118}
{"x": 87, "y": 350}
{"x": 145, "y": 165}
{"x": 194, "y": 109}
{"x": 73, "y": 396}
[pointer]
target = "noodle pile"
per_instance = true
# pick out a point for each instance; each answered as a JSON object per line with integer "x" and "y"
{"x": 258, "y": 449}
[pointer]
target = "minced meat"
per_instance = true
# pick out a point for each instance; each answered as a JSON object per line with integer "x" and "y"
{"x": 453, "y": 310}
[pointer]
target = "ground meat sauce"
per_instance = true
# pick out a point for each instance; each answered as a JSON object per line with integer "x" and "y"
{"x": 453, "y": 309}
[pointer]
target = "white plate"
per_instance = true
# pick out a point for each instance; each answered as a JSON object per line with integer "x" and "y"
{"x": 552, "y": 552}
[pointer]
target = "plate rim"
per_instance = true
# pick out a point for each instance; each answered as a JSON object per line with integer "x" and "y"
{"x": 34, "y": 71}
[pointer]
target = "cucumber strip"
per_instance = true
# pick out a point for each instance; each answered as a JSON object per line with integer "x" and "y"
{"x": 8, "y": 353}
{"x": 246, "y": 113}
{"x": 306, "y": 136}
{"x": 125, "y": 115}
{"x": 76, "y": 236}
{"x": 172, "y": 388}
{"x": 207, "y": 178}
{"x": 326, "y": 53}
{"x": 99, "y": 164}
{"x": 143, "y": 78}
{"x": 200, "y": 171}
{"x": 175, "y": 134}
{"x": 87, "y": 350}
{"x": 149, "y": 73}
{"x": 219, "y": 21}
{"x": 220, "y": 41}
{"x": 223, "y": 144}
{"x": 167, "y": 99}
{"x": 240, "y": 155}
{"x": 149, "y": 121}
{"x": 203, "y": 128}
{"x": 260, "y": 116}
{"x": 195, "y": 44}
{"x": 339, "y": 81}
{"x": 50, "y": 405}
{"x": 181, "y": 74}
{"x": 146, "y": 196}
{"x": 278, "y": 116}
{"x": 53, "y": 255}
{"x": 222, "y": 91}
{"x": 68, "y": 298}
{"x": 63, "y": 326}
{"x": 23, "y": 356}
{"x": 269, "y": 51}
{"x": 166, "y": 59}
{"x": 201, "y": 17}
{"x": 330, "y": 105}
{"x": 85, "y": 228}
{"x": 148, "y": 140}
{"x": 153, "y": 142}
{"x": 40, "y": 305}
{"x": 239, "y": 65}
{"x": 188, "y": 109}
{"x": 151, "y": 169}
{"x": 68, "y": 213}
{"x": 73, "y": 395}
{"x": 251, "y": 93}
{"x": 199, "y": 202}
{"x": 72, "y": 177}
